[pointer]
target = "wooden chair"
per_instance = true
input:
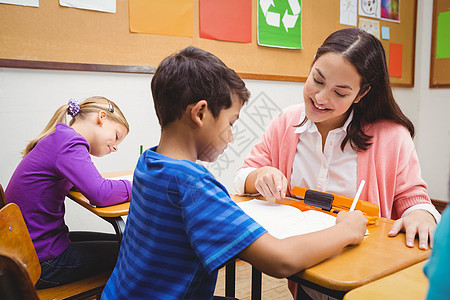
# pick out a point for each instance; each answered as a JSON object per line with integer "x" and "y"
{"x": 15, "y": 283}
{"x": 2, "y": 197}
{"x": 16, "y": 248}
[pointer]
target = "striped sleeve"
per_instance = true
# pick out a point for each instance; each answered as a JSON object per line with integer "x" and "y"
{"x": 216, "y": 227}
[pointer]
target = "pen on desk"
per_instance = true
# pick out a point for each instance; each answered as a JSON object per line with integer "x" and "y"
{"x": 358, "y": 193}
{"x": 141, "y": 149}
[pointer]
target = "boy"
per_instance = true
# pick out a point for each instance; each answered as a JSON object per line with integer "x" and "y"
{"x": 182, "y": 225}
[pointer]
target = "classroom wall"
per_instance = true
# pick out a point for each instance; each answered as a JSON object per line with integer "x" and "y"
{"x": 29, "y": 98}
{"x": 433, "y": 127}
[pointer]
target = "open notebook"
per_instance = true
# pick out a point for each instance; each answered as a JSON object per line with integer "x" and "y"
{"x": 283, "y": 221}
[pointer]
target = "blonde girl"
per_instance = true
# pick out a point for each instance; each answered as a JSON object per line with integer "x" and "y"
{"x": 58, "y": 160}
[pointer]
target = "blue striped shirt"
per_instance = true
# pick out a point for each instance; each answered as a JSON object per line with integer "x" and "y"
{"x": 181, "y": 228}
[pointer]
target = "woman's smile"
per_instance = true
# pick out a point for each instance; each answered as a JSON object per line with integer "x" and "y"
{"x": 319, "y": 107}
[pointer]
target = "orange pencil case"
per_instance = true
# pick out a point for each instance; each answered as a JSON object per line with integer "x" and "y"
{"x": 332, "y": 203}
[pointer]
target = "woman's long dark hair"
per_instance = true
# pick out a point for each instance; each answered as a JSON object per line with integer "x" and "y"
{"x": 366, "y": 53}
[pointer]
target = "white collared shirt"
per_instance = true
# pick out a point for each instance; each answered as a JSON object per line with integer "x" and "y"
{"x": 332, "y": 170}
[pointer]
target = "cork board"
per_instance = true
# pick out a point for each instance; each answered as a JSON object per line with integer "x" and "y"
{"x": 439, "y": 75}
{"x": 56, "y": 37}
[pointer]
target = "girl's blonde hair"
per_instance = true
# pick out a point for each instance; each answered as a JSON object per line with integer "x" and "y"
{"x": 90, "y": 105}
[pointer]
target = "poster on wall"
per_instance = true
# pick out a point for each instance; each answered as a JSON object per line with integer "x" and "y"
{"x": 369, "y": 8}
{"x": 98, "y": 5}
{"x": 279, "y": 23}
{"x": 34, "y": 3}
{"x": 348, "y": 14}
{"x": 169, "y": 17}
{"x": 390, "y": 10}
{"x": 371, "y": 26}
{"x": 443, "y": 35}
{"x": 395, "y": 59}
{"x": 229, "y": 20}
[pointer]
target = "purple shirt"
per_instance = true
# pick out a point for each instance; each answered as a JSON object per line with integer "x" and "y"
{"x": 42, "y": 180}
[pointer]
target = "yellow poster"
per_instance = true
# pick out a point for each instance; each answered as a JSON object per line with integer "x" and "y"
{"x": 168, "y": 17}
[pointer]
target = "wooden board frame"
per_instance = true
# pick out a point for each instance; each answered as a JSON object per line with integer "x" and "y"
{"x": 40, "y": 38}
{"x": 439, "y": 75}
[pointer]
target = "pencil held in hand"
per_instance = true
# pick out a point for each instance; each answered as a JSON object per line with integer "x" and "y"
{"x": 358, "y": 193}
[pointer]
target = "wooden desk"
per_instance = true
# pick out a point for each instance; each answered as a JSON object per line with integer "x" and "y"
{"x": 409, "y": 284}
{"x": 113, "y": 214}
{"x": 376, "y": 257}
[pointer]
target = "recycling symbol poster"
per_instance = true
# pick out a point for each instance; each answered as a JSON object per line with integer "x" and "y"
{"x": 280, "y": 23}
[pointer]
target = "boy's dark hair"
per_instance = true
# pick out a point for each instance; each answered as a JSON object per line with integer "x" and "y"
{"x": 192, "y": 75}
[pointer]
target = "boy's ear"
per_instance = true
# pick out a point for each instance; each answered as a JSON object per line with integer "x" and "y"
{"x": 101, "y": 117}
{"x": 198, "y": 112}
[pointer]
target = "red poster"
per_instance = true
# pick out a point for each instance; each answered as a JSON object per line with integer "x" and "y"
{"x": 395, "y": 60}
{"x": 229, "y": 20}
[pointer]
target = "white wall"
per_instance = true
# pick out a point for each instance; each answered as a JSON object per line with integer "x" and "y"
{"x": 28, "y": 99}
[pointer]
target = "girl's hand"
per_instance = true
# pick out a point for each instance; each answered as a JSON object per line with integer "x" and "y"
{"x": 419, "y": 222}
{"x": 270, "y": 183}
{"x": 355, "y": 223}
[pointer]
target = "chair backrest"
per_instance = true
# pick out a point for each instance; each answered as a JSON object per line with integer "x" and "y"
{"x": 15, "y": 284}
{"x": 2, "y": 197}
{"x": 15, "y": 241}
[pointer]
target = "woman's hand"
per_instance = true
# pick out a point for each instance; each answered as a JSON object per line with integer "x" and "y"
{"x": 269, "y": 182}
{"x": 419, "y": 222}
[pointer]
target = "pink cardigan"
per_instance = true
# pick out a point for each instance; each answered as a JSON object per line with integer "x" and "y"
{"x": 390, "y": 166}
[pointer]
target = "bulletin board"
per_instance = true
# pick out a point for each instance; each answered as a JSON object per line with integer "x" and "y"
{"x": 439, "y": 67}
{"x": 56, "y": 37}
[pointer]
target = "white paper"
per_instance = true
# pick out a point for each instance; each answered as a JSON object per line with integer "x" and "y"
{"x": 371, "y": 26}
{"x": 349, "y": 12}
{"x": 126, "y": 177}
{"x": 34, "y": 3}
{"x": 283, "y": 221}
{"x": 370, "y": 8}
{"x": 99, "y": 5}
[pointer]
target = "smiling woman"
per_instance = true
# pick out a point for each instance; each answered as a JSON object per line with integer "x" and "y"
{"x": 57, "y": 160}
{"x": 331, "y": 88}
{"x": 349, "y": 129}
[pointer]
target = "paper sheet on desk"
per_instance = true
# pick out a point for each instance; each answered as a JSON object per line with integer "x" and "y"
{"x": 283, "y": 221}
{"x": 126, "y": 177}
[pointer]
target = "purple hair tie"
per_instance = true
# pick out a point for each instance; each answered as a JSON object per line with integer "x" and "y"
{"x": 74, "y": 107}
{"x": 110, "y": 107}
